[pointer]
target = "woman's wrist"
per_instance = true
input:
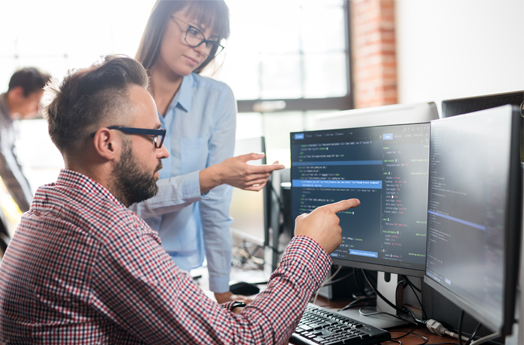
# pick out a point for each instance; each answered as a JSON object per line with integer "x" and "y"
{"x": 209, "y": 178}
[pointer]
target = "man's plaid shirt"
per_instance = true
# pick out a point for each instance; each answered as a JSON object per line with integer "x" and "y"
{"x": 83, "y": 269}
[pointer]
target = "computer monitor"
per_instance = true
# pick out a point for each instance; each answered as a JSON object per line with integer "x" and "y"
{"x": 386, "y": 167}
{"x": 383, "y": 115}
{"x": 458, "y": 106}
{"x": 474, "y": 213}
{"x": 249, "y": 210}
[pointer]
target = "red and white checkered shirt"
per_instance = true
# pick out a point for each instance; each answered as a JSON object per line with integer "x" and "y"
{"x": 83, "y": 269}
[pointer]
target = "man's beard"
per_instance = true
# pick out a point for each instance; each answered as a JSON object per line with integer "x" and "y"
{"x": 129, "y": 183}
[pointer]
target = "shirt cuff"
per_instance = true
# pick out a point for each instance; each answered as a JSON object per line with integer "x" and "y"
{"x": 219, "y": 284}
{"x": 306, "y": 249}
{"x": 227, "y": 305}
{"x": 191, "y": 187}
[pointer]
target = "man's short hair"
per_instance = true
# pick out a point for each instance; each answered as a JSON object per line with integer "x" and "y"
{"x": 30, "y": 79}
{"x": 87, "y": 96}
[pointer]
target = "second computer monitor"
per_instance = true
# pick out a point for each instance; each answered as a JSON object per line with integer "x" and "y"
{"x": 386, "y": 167}
{"x": 474, "y": 213}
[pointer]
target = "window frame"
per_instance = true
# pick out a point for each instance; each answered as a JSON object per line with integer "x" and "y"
{"x": 307, "y": 104}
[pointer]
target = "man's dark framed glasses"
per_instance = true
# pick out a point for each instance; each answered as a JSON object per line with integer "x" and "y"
{"x": 159, "y": 134}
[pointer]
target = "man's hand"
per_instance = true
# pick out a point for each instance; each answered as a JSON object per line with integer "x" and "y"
{"x": 238, "y": 310}
{"x": 322, "y": 224}
{"x": 228, "y": 296}
{"x": 236, "y": 172}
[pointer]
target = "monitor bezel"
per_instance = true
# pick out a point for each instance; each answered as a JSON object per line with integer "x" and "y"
{"x": 413, "y": 272}
{"x": 511, "y": 240}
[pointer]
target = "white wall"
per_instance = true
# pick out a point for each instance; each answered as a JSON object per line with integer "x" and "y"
{"x": 459, "y": 48}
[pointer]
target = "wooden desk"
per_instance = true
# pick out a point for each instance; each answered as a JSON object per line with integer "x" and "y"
{"x": 397, "y": 331}
{"x": 415, "y": 340}
{"x": 324, "y": 302}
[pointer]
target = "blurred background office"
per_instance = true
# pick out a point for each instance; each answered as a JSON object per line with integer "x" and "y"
{"x": 287, "y": 60}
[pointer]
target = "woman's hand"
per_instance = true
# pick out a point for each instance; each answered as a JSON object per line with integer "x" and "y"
{"x": 236, "y": 172}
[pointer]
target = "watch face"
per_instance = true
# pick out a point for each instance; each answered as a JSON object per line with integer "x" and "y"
{"x": 237, "y": 304}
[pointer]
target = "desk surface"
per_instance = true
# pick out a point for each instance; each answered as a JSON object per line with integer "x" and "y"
{"x": 239, "y": 274}
{"x": 410, "y": 339}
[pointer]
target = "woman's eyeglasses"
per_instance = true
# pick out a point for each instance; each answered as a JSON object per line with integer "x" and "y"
{"x": 194, "y": 38}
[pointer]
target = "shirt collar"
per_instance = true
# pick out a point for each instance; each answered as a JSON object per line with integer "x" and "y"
{"x": 184, "y": 96}
{"x": 90, "y": 187}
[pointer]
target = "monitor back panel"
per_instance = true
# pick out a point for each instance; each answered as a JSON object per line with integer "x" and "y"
{"x": 452, "y": 107}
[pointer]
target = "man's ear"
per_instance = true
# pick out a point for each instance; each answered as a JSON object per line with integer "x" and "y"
{"x": 107, "y": 143}
{"x": 17, "y": 93}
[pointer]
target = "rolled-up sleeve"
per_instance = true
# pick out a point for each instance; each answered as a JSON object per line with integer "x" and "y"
{"x": 174, "y": 193}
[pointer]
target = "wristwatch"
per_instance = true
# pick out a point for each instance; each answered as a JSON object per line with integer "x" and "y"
{"x": 237, "y": 304}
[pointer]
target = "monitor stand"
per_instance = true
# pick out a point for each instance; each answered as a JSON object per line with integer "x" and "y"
{"x": 387, "y": 286}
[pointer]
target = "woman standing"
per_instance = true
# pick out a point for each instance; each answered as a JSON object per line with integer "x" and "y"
{"x": 191, "y": 211}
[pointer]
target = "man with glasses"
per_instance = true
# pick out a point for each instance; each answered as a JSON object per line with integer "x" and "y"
{"x": 83, "y": 269}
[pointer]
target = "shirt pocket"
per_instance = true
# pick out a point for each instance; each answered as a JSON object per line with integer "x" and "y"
{"x": 193, "y": 154}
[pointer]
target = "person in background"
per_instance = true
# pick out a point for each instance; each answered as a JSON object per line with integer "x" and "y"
{"x": 21, "y": 101}
{"x": 191, "y": 210}
{"x": 84, "y": 269}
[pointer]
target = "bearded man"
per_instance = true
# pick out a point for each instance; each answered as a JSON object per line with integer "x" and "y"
{"x": 84, "y": 269}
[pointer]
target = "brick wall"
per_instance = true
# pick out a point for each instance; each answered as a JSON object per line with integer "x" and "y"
{"x": 374, "y": 56}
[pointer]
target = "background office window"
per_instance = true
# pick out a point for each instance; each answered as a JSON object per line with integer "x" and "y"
{"x": 286, "y": 61}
